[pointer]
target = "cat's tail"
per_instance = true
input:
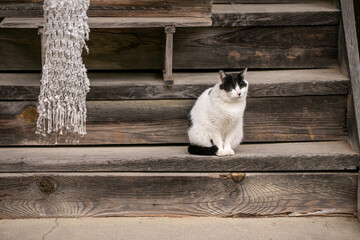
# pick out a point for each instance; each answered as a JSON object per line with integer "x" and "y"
{"x": 198, "y": 150}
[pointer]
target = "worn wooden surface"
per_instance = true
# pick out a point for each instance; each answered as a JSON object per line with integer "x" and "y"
{"x": 115, "y": 22}
{"x": 308, "y": 118}
{"x": 176, "y": 194}
{"x": 320, "y": 156}
{"x": 315, "y": 13}
{"x": 194, "y": 48}
{"x": 132, "y": 85}
{"x": 149, "y": 8}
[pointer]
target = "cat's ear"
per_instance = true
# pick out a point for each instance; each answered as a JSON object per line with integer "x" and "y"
{"x": 243, "y": 72}
{"x": 222, "y": 76}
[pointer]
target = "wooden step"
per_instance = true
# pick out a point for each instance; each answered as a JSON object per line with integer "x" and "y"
{"x": 94, "y": 182}
{"x": 273, "y": 119}
{"x": 188, "y": 85}
{"x": 116, "y": 22}
{"x": 314, "y": 13}
{"x": 311, "y": 13}
{"x": 194, "y": 48}
{"x": 299, "y": 105}
{"x": 128, "y": 8}
{"x": 307, "y": 156}
{"x": 302, "y": 38}
{"x": 35, "y": 195}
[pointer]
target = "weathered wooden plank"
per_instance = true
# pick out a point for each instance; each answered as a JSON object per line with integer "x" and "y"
{"x": 319, "y": 156}
{"x": 122, "y": 86}
{"x": 115, "y": 22}
{"x": 194, "y": 48}
{"x": 308, "y": 118}
{"x": 176, "y": 194}
{"x": 148, "y": 8}
{"x": 315, "y": 13}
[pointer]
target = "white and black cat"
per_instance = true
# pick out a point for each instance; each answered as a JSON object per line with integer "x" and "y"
{"x": 216, "y": 120}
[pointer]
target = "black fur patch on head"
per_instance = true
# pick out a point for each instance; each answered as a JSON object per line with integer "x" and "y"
{"x": 230, "y": 80}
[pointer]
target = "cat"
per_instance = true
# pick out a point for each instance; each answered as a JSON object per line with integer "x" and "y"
{"x": 216, "y": 120}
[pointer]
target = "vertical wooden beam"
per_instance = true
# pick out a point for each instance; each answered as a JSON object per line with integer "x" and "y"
{"x": 168, "y": 74}
{"x": 342, "y": 52}
{"x": 348, "y": 18}
{"x": 357, "y": 22}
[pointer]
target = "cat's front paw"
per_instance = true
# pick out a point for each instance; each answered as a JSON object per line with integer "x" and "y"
{"x": 223, "y": 152}
{"x": 230, "y": 152}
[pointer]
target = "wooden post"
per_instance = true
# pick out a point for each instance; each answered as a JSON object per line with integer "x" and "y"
{"x": 348, "y": 18}
{"x": 42, "y": 35}
{"x": 167, "y": 73}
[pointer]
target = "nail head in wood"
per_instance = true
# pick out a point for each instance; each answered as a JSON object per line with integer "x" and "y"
{"x": 46, "y": 186}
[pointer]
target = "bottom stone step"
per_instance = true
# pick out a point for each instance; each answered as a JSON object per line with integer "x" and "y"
{"x": 334, "y": 228}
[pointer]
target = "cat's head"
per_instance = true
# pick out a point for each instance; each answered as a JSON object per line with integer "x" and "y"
{"x": 234, "y": 84}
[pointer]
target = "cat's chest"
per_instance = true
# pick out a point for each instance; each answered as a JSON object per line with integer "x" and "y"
{"x": 228, "y": 114}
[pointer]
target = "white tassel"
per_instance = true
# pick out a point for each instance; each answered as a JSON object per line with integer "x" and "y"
{"x": 64, "y": 83}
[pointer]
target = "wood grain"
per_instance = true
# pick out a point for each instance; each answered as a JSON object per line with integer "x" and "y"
{"x": 194, "y": 48}
{"x": 314, "y": 13}
{"x": 100, "y": 8}
{"x": 176, "y": 194}
{"x": 320, "y": 156}
{"x": 309, "y": 118}
{"x": 132, "y": 85}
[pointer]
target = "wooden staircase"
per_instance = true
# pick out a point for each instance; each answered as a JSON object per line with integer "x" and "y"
{"x": 295, "y": 161}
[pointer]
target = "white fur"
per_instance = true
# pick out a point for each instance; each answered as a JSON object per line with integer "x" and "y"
{"x": 218, "y": 116}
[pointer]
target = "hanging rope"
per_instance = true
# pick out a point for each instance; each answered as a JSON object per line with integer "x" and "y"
{"x": 64, "y": 83}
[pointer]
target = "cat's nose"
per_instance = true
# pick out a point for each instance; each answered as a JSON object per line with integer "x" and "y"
{"x": 239, "y": 94}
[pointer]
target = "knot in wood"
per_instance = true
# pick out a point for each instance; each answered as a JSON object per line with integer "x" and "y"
{"x": 46, "y": 186}
{"x": 30, "y": 114}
